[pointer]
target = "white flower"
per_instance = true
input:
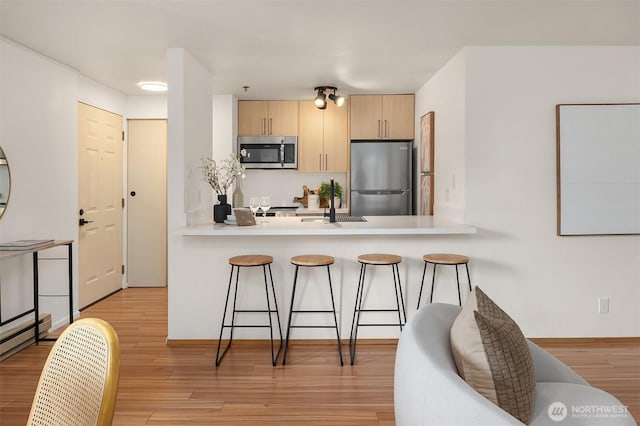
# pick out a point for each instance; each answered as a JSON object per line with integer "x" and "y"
{"x": 222, "y": 175}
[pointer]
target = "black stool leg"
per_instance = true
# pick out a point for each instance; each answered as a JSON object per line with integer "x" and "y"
{"x": 293, "y": 295}
{"x": 458, "y": 281}
{"x": 433, "y": 283}
{"x": 335, "y": 318}
{"x": 422, "y": 284}
{"x": 275, "y": 303}
{"x": 356, "y": 314}
{"x": 269, "y": 311}
{"x": 398, "y": 288}
{"x": 224, "y": 315}
{"x": 404, "y": 310}
{"x": 466, "y": 265}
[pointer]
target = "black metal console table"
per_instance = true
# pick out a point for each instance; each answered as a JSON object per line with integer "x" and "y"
{"x": 34, "y": 250}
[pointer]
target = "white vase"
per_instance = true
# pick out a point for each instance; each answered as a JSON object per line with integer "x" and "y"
{"x": 337, "y": 202}
{"x": 313, "y": 201}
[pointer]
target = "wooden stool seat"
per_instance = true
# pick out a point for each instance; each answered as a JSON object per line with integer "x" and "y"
{"x": 379, "y": 259}
{"x": 446, "y": 258}
{"x": 443, "y": 259}
{"x": 312, "y": 260}
{"x": 250, "y": 260}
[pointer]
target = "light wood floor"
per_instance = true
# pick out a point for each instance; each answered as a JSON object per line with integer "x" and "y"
{"x": 179, "y": 385}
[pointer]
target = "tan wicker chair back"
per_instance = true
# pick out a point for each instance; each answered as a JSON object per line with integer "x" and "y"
{"x": 79, "y": 382}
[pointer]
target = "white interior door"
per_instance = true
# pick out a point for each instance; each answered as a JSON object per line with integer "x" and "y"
{"x": 147, "y": 203}
{"x": 99, "y": 203}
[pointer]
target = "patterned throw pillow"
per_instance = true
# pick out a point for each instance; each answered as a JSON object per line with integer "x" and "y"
{"x": 492, "y": 356}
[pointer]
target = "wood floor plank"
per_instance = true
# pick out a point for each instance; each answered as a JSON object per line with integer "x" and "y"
{"x": 178, "y": 384}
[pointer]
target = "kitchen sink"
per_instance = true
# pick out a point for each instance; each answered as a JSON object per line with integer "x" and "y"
{"x": 315, "y": 219}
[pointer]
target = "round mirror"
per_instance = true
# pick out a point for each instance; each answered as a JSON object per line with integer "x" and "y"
{"x": 5, "y": 182}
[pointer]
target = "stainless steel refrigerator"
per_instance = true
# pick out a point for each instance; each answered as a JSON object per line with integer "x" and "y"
{"x": 381, "y": 178}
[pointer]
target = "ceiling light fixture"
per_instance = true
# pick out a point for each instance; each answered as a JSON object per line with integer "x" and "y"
{"x": 153, "y": 86}
{"x": 321, "y": 99}
{"x": 338, "y": 100}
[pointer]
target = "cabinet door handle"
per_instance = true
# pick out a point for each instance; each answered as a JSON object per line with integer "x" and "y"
{"x": 270, "y": 126}
{"x": 326, "y": 161}
{"x": 386, "y": 129}
{"x": 264, "y": 126}
{"x": 379, "y": 129}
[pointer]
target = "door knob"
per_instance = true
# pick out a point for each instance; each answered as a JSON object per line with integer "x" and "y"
{"x": 84, "y": 222}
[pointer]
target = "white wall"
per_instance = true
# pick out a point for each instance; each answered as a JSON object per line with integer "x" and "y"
{"x": 283, "y": 185}
{"x": 225, "y": 125}
{"x": 189, "y": 199}
{"x": 549, "y": 284}
{"x": 448, "y": 86}
{"x": 190, "y": 108}
{"x": 38, "y": 133}
{"x": 146, "y": 107}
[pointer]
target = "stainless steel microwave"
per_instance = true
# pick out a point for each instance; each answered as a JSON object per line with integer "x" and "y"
{"x": 269, "y": 152}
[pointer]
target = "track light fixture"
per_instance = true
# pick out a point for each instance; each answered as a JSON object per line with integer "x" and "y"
{"x": 321, "y": 98}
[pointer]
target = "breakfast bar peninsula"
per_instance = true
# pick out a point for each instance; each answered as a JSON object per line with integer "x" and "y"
{"x": 200, "y": 276}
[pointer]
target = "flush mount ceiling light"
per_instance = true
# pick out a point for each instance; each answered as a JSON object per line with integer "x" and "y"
{"x": 321, "y": 99}
{"x": 153, "y": 86}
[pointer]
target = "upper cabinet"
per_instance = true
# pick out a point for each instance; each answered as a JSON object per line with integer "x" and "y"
{"x": 382, "y": 116}
{"x": 323, "y": 142}
{"x": 267, "y": 118}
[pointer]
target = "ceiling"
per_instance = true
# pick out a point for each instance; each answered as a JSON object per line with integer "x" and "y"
{"x": 282, "y": 49}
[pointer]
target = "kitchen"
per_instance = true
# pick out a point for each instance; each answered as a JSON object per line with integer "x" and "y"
{"x": 336, "y": 141}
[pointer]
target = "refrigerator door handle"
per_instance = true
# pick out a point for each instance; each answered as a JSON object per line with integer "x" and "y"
{"x": 381, "y": 192}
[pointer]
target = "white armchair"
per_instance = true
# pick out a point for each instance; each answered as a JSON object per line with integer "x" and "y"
{"x": 429, "y": 391}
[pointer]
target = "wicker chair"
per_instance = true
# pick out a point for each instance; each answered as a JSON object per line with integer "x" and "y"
{"x": 79, "y": 382}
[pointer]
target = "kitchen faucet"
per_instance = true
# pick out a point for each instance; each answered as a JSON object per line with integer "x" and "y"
{"x": 332, "y": 207}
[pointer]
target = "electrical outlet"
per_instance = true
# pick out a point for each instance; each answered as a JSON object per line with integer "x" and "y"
{"x": 603, "y": 305}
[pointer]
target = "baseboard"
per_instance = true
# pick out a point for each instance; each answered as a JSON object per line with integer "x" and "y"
{"x": 261, "y": 342}
{"x": 22, "y": 335}
{"x": 590, "y": 341}
{"x": 542, "y": 341}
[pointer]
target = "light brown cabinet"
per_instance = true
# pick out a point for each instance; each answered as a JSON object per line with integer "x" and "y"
{"x": 267, "y": 118}
{"x": 382, "y": 117}
{"x": 323, "y": 141}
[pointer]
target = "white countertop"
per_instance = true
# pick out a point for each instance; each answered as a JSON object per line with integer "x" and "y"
{"x": 375, "y": 225}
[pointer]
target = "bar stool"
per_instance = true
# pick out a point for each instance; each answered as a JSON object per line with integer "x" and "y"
{"x": 236, "y": 263}
{"x": 311, "y": 260}
{"x": 376, "y": 260}
{"x": 444, "y": 259}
